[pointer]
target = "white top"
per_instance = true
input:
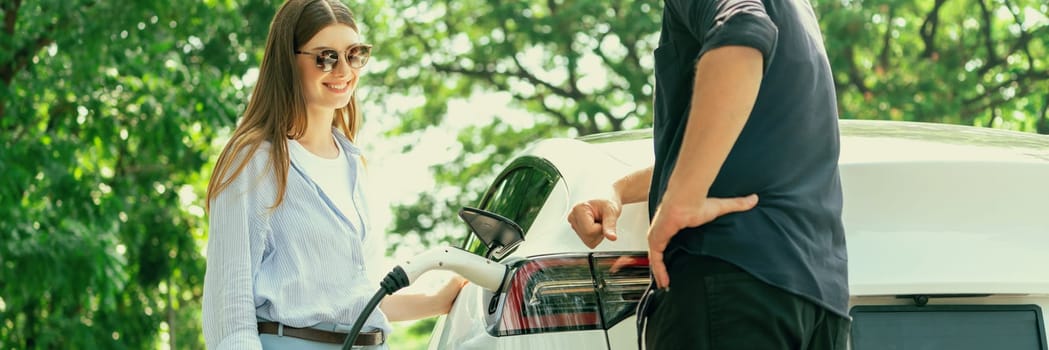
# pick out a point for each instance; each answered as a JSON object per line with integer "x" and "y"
{"x": 332, "y": 176}
{"x": 304, "y": 263}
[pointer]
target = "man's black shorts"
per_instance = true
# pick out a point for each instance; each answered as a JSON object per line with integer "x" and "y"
{"x": 713, "y": 304}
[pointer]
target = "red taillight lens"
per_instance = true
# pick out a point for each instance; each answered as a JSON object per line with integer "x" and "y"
{"x": 550, "y": 294}
{"x": 621, "y": 281}
{"x": 573, "y": 292}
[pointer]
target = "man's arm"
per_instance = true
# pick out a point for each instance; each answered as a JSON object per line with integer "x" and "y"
{"x": 726, "y": 86}
{"x": 595, "y": 219}
{"x": 633, "y": 188}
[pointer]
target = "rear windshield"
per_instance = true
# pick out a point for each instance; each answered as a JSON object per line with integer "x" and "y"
{"x": 955, "y": 327}
{"x": 518, "y": 194}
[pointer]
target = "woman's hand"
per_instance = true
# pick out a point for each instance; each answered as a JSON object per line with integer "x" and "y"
{"x": 447, "y": 295}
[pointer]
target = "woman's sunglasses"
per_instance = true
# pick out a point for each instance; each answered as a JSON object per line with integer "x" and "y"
{"x": 356, "y": 56}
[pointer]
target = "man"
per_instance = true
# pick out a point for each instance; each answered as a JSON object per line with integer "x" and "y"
{"x": 745, "y": 108}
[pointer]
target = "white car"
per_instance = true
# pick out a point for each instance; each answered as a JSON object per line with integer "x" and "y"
{"x": 947, "y": 230}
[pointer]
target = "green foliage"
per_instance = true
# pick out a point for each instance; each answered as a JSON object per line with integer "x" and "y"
{"x": 971, "y": 62}
{"x": 412, "y": 334}
{"x": 578, "y": 67}
{"x": 107, "y": 114}
{"x": 581, "y": 67}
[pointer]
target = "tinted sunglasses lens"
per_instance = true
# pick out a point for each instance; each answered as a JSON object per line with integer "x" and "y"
{"x": 327, "y": 59}
{"x": 358, "y": 56}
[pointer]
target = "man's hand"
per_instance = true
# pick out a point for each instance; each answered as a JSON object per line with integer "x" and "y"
{"x": 673, "y": 216}
{"x": 595, "y": 220}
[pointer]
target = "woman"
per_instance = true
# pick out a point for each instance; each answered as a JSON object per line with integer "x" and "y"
{"x": 285, "y": 257}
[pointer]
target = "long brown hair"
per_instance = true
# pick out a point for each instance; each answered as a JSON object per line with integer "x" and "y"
{"x": 277, "y": 109}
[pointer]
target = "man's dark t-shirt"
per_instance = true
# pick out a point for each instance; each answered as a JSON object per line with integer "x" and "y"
{"x": 787, "y": 152}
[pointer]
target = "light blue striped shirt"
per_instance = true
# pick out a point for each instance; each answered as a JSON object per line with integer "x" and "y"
{"x": 301, "y": 264}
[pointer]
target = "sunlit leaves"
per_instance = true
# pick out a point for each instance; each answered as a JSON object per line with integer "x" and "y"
{"x": 576, "y": 67}
{"x": 584, "y": 66}
{"x": 107, "y": 109}
{"x": 973, "y": 62}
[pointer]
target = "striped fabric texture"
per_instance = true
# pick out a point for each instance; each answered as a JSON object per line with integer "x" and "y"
{"x": 302, "y": 263}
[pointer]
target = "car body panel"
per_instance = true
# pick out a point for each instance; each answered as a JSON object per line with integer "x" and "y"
{"x": 623, "y": 336}
{"x": 929, "y": 209}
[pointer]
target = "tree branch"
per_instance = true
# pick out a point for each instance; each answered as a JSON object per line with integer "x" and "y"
{"x": 23, "y": 55}
{"x": 10, "y": 17}
{"x": 608, "y": 91}
{"x": 566, "y": 43}
{"x": 1019, "y": 80}
{"x": 996, "y": 114}
{"x": 1042, "y": 126}
{"x": 883, "y": 58}
{"x": 928, "y": 29}
{"x": 523, "y": 73}
{"x": 1025, "y": 37}
{"x": 485, "y": 74}
{"x": 994, "y": 98}
{"x": 490, "y": 75}
{"x": 531, "y": 78}
{"x": 617, "y": 67}
{"x": 620, "y": 69}
{"x": 629, "y": 40}
{"x": 592, "y": 123}
{"x": 854, "y": 73}
{"x": 992, "y": 57}
{"x": 561, "y": 117}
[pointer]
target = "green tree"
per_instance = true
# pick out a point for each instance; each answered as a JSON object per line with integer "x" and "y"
{"x": 107, "y": 114}
{"x": 971, "y": 62}
{"x": 110, "y": 111}
{"x": 584, "y": 66}
{"x": 580, "y": 67}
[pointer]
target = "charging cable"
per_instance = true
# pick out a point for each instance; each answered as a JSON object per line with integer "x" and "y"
{"x": 485, "y": 273}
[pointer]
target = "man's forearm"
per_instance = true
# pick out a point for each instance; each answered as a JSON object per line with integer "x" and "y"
{"x": 633, "y": 188}
{"x": 726, "y": 86}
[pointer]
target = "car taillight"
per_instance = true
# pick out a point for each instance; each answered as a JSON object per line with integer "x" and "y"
{"x": 621, "y": 281}
{"x": 573, "y": 292}
{"x": 550, "y": 294}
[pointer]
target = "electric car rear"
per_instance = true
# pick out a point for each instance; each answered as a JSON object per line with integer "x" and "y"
{"x": 946, "y": 228}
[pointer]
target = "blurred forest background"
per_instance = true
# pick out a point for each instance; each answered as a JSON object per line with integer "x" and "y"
{"x": 112, "y": 113}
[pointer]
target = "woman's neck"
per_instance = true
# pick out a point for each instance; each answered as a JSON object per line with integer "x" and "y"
{"x": 318, "y": 138}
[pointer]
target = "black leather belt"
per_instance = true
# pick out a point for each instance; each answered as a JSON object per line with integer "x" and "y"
{"x": 364, "y": 339}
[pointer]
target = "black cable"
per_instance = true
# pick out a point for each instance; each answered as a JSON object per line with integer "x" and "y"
{"x": 394, "y": 281}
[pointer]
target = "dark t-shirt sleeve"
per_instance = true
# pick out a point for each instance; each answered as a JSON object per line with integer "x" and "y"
{"x": 717, "y": 23}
